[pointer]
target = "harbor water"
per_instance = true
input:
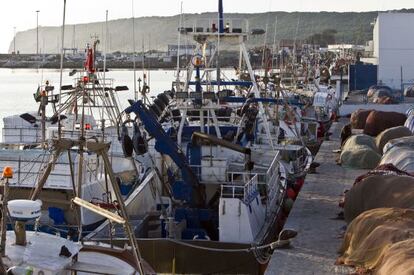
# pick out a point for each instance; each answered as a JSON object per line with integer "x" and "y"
{"x": 19, "y": 85}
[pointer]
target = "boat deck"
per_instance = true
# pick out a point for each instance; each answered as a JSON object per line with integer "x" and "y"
{"x": 314, "y": 250}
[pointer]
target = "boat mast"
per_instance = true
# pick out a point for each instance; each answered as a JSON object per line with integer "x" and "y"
{"x": 133, "y": 52}
{"x": 104, "y": 72}
{"x": 177, "y": 84}
{"x": 61, "y": 67}
{"x": 274, "y": 44}
{"x": 220, "y": 31}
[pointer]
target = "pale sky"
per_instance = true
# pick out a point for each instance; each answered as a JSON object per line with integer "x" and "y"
{"x": 22, "y": 13}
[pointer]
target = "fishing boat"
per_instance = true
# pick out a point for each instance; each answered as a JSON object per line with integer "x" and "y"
{"x": 86, "y": 110}
{"x": 225, "y": 175}
{"x": 34, "y": 252}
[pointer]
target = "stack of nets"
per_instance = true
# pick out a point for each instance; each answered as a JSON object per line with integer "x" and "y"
{"x": 375, "y": 191}
{"x": 378, "y": 121}
{"x": 401, "y": 157}
{"x": 399, "y": 142}
{"x": 380, "y": 239}
{"x": 392, "y": 133}
{"x": 360, "y": 151}
{"x": 359, "y": 117}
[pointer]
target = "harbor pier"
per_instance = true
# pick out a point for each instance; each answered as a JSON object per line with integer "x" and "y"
{"x": 314, "y": 217}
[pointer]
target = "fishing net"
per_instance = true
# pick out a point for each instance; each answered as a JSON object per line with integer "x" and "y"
{"x": 400, "y": 157}
{"x": 358, "y": 118}
{"x": 360, "y": 151}
{"x": 389, "y": 134}
{"x": 409, "y": 123}
{"x": 383, "y": 170}
{"x": 378, "y": 121}
{"x": 397, "y": 259}
{"x": 377, "y": 191}
{"x": 370, "y": 234}
{"x": 399, "y": 142}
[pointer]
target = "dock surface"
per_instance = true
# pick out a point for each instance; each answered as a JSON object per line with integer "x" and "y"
{"x": 314, "y": 250}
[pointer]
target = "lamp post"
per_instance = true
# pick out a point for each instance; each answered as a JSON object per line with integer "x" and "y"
{"x": 14, "y": 40}
{"x": 37, "y": 32}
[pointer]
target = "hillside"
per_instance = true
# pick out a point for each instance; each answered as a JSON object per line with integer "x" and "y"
{"x": 158, "y": 32}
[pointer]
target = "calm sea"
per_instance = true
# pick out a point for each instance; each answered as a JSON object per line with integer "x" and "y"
{"x": 17, "y": 86}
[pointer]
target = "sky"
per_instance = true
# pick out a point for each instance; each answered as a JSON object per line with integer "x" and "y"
{"x": 21, "y": 14}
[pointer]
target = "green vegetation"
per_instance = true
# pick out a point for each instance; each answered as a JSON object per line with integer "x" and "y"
{"x": 158, "y": 32}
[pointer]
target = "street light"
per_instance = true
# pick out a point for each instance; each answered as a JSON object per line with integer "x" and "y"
{"x": 37, "y": 32}
{"x": 14, "y": 40}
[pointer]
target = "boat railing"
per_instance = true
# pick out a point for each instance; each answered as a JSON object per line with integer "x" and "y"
{"x": 274, "y": 184}
{"x": 75, "y": 134}
{"x": 21, "y": 135}
{"x": 205, "y": 118}
{"x": 100, "y": 82}
{"x": 247, "y": 193}
{"x": 236, "y": 177}
{"x": 270, "y": 185}
{"x": 211, "y": 25}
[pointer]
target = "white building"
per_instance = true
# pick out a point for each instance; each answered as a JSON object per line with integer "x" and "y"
{"x": 394, "y": 48}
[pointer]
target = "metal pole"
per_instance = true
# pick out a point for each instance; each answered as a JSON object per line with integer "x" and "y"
{"x": 178, "y": 87}
{"x": 4, "y": 217}
{"x": 133, "y": 54}
{"x": 122, "y": 208}
{"x": 105, "y": 53}
{"x": 61, "y": 65}
{"x": 14, "y": 40}
{"x": 37, "y": 32}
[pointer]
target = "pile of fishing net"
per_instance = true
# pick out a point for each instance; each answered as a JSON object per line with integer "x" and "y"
{"x": 385, "y": 189}
{"x": 378, "y": 121}
{"x": 399, "y": 142}
{"x": 380, "y": 239}
{"x": 409, "y": 123}
{"x": 360, "y": 151}
{"x": 380, "y": 94}
{"x": 392, "y": 133}
{"x": 398, "y": 258}
{"x": 359, "y": 117}
{"x": 401, "y": 157}
{"x": 383, "y": 170}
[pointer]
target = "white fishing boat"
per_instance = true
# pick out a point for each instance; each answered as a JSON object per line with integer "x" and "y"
{"x": 87, "y": 110}
{"x": 225, "y": 175}
{"x": 34, "y": 252}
